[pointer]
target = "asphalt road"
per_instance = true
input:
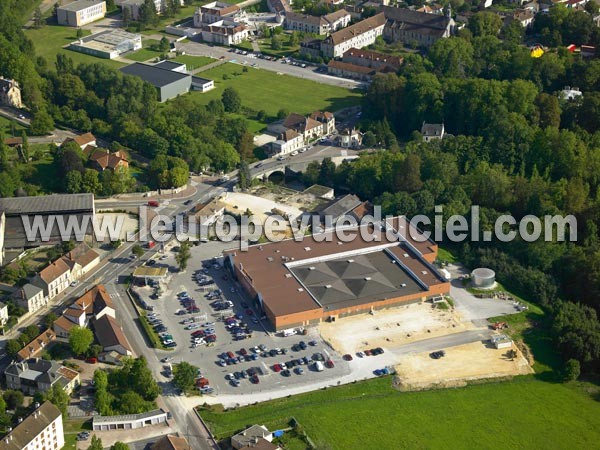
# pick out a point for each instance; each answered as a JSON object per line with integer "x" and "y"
{"x": 309, "y": 73}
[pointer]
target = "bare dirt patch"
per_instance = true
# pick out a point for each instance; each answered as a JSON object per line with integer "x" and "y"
{"x": 461, "y": 364}
{"x": 392, "y": 327}
{"x": 129, "y": 223}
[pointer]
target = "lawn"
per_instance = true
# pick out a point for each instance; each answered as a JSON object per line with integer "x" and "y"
{"x": 142, "y": 55}
{"x": 44, "y": 174}
{"x": 50, "y": 39}
{"x": 193, "y": 62}
{"x": 524, "y": 413}
{"x": 261, "y": 89}
{"x": 72, "y": 428}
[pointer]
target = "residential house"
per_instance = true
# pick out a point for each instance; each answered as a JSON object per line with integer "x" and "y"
{"x": 35, "y": 347}
{"x": 350, "y": 138}
{"x": 327, "y": 119}
{"x": 10, "y": 93}
{"x": 81, "y": 260}
{"x": 110, "y": 335}
{"x": 326, "y": 24}
{"x": 54, "y": 278}
{"x": 171, "y": 442}
{"x": 225, "y": 32}
{"x": 31, "y": 297}
{"x": 215, "y": 12}
{"x": 524, "y": 16}
{"x": 413, "y": 27}
{"x": 83, "y": 140}
{"x": 102, "y": 159}
{"x": 261, "y": 444}
{"x": 432, "y": 131}
{"x": 308, "y": 127}
{"x": 42, "y": 429}
{"x": 433, "y": 8}
{"x": 94, "y": 304}
{"x": 338, "y": 208}
{"x": 251, "y": 435}
{"x": 287, "y": 142}
{"x": 13, "y": 141}
{"x": 361, "y": 34}
{"x": 39, "y": 375}
{"x": 570, "y": 93}
{"x": 3, "y": 314}
{"x": 81, "y": 12}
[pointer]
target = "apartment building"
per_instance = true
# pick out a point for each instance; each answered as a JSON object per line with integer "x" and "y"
{"x": 359, "y": 35}
{"x": 42, "y": 429}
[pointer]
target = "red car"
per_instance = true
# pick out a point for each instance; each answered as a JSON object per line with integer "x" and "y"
{"x": 201, "y": 382}
{"x": 91, "y": 360}
{"x": 348, "y": 357}
{"x": 368, "y": 352}
{"x": 198, "y": 333}
{"x": 329, "y": 364}
{"x": 277, "y": 368}
{"x": 243, "y": 352}
{"x": 230, "y": 354}
{"x": 254, "y": 379}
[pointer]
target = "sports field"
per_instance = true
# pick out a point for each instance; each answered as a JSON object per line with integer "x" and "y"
{"x": 524, "y": 413}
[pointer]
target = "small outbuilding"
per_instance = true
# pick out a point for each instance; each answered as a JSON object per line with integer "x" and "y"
{"x": 483, "y": 278}
{"x": 501, "y": 341}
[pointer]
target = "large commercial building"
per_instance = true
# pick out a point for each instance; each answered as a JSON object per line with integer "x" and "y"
{"x": 359, "y": 35}
{"x": 47, "y": 209}
{"x": 42, "y": 429}
{"x": 107, "y": 44}
{"x": 168, "y": 83}
{"x": 324, "y": 277}
{"x": 81, "y": 12}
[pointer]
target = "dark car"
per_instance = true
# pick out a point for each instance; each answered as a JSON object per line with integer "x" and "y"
{"x": 150, "y": 262}
{"x": 244, "y": 305}
{"x": 188, "y": 202}
{"x": 286, "y": 373}
{"x": 254, "y": 379}
{"x": 243, "y": 352}
{"x": 329, "y": 364}
{"x": 348, "y": 357}
{"x": 437, "y": 355}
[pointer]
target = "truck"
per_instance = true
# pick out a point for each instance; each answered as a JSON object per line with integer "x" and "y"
{"x": 288, "y": 332}
{"x": 319, "y": 367}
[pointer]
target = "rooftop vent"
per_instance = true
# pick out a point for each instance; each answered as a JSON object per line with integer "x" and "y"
{"x": 288, "y": 275}
{"x": 300, "y": 290}
{"x": 311, "y": 268}
{"x": 405, "y": 255}
{"x": 307, "y": 249}
{"x": 327, "y": 286}
{"x": 367, "y": 278}
{"x": 269, "y": 258}
{"x": 403, "y": 285}
{"x": 277, "y": 251}
{"x": 350, "y": 260}
{"x": 424, "y": 272}
{"x": 340, "y": 243}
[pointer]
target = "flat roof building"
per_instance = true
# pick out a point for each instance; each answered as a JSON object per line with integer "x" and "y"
{"x": 299, "y": 283}
{"x": 168, "y": 83}
{"x": 63, "y": 206}
{"x": 107, "y": 44}
{"x": 81, "y": 12}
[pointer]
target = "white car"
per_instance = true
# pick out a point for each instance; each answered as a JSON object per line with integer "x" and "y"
{"x": 74, "y": 283}
{"x": 303, "y": 149}
{"x": 294, "y": 153}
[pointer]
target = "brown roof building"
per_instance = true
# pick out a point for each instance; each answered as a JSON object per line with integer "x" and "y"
{"x": 361, "y": 34}
{"x": 83, "y": 140}
{"x": 102, "y": 159}
{"x": 35, "y": 347}
{"x": 299, "y": 283}
{"x": 170, "y": 442}
{"x": 110, "y": 335}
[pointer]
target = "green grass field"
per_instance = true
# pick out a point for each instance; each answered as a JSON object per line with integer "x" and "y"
{"x": 525, "y": 413}
{"x": 194, "y": 62}
{"x": 50, "y": 39}
{"x": 142, "y": 55}
{"x": 261, "y": 89}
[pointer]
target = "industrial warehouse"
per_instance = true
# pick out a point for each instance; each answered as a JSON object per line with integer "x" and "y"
{"x": 299, "y": 283}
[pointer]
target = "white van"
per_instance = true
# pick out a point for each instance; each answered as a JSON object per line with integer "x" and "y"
{"x": 288, "y": 332}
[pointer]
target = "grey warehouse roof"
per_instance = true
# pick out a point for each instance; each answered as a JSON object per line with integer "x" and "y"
{"x": 154, "y": 75}
{"x": 81, "y": 4}
{"x": 169, "y": 65}
{"x": 47, "y": 204}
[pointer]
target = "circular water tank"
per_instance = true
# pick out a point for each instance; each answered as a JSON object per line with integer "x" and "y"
{"x": 483, "y": 278}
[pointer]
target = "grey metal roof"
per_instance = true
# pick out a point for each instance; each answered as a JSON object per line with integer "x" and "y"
{"x": 357, "y": 279}
{"x": 168, "y": 65}
{"x": 200, "y": 80}
{"x": 81, "y": 4}
{"x": 128, "y": 417}
{"x": 31, "y": 290}
{"x": 340, "y": 206}
{"x": 47, "y": 204}
{"x": 154, "y": 75}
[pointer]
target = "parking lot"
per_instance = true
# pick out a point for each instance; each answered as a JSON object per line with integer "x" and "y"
{"x": 232, "y": 346}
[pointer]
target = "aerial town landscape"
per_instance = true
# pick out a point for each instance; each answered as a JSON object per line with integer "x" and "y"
{"x": 299, "y": 224}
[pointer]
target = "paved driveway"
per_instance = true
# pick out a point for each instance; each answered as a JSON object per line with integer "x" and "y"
{"x": 473, "y": 308}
